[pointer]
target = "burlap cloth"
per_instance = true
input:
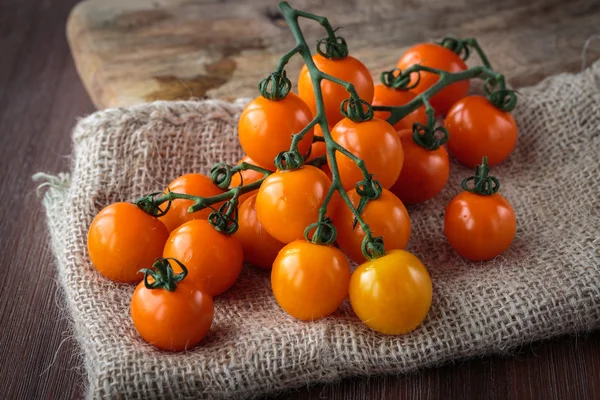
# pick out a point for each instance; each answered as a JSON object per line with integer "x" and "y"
{"x": 547, "y": 284}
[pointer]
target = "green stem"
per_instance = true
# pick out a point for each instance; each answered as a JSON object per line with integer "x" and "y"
{"x": 446, "y": 79}
{"x": 474, "y": 44}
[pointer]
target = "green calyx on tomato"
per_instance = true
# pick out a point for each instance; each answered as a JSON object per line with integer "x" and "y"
{"x": 335, "y": 47}
{"x": 483, "y": 184}
{"x": 276, "y": 86}
{"x": 163, "y": 275}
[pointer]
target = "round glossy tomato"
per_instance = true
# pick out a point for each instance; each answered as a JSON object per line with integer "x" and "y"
{"x": 124, "y": 239}
{"x": 385, "y": 96}
{"x": 391, "y": 294}
{"x": 214, "y": 260}
{"x": 289, "y": 201}
{"x": 424, "y": 174}
{"x": 197, "y": 185}
{"x": 477, "y": 128}
{"x": 309, "y": 280}
{"x": 266, "y": 127}
{"x": 376, "y": 143}
{"x": 386, "y": 216}
{"x": 479, "y": 227}
{"x": 435, "y": 56}
{"x": 172, "y": 321}
{"x": 348, "y": 69}
{"x": 245, "y": 178}
{"x": 260, "y": 248}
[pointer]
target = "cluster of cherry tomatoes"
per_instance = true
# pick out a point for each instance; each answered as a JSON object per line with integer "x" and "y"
{"x": 194, "y": 258}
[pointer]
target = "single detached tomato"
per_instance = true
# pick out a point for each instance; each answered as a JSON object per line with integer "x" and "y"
{"x": 172, "y": 320}
{"x": 289, "y": 201}
{"x": 214, "y": 259}
{"x": 435, "y": 56}
{"x": 266, "y": 127}
{"x": 245, "y": 178}
{"x": 424, "y": 174}
{"x": 310, "y": 281}
{"x": 376, "y": 143}
{"x": 260, "y": 248}
{"x": 477, "y": 128}
{"x": 386, "y": 216}
{"x": 348, "y": 69}
{"x": 391, "y": 294}
{"x": 385, "y": 96}
{"x": 124, "y": 239}
{"x": 195, "y": 184}
{"x": 479, "y": 227}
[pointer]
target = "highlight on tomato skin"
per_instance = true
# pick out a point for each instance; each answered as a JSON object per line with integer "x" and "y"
{"x": 310, "y": 281}
{"x": 122, "y": 239}
{"x": 391, "y": 294}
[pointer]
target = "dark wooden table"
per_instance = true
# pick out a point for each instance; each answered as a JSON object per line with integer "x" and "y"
{"x": 40, "y": 98}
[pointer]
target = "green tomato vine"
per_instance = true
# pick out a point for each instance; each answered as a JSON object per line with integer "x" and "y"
{"x": 277, "y": 85}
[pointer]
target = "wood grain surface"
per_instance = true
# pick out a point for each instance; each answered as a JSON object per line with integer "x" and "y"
{"x": 137, "y": 51}
{"x": 40, "y": 98}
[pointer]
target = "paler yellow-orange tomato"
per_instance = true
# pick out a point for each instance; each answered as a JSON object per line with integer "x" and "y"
{"x": 260, "y": 248}
{"x": 172, "y": 321}
{"x": 195, "y": 184}
{"x": 123, "y": 239}
{"x": 288, "y": 201}
{"x": 266, "y": 127}
{"x": 386, "y": 216}
{"x": 391, "y": 294}
{"x": 214, "y": 260}
{"x": 376, "y": 143}
{"x": 310, "y": 281}
{"x": 386, "y": 96}
{"x": 348, "y": 69}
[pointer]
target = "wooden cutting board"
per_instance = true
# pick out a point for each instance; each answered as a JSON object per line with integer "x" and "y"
{"x": 134, "y": 51}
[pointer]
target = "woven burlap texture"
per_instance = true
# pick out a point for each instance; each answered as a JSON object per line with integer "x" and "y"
{"x": 546, "y": 284}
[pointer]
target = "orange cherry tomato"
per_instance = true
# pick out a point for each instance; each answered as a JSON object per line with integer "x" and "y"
{"x": 376, "y": 143}
{"x": 289, "y": 201}
{"x": 385, "y": 96}
{"x": 214, "y": 259}
{"x": 260, "y": 248}
{"x": 172, "y": 321}
{"x": 424, "y": 174}
{"x": 435, "y": 56}
{"x": 348, "y": 69}
{"x": 266, "y": 127}
{"x": 124, "y": 239}
{"x": 479, "y": 227}
{"x": 197, "y": 185}
{"x": 391, "y": 294}
{"x": 248, "y": 176}
{"x": 310, "y": 281}
{"x": 386, "y": 217}
{"x": 477, "y": 128}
